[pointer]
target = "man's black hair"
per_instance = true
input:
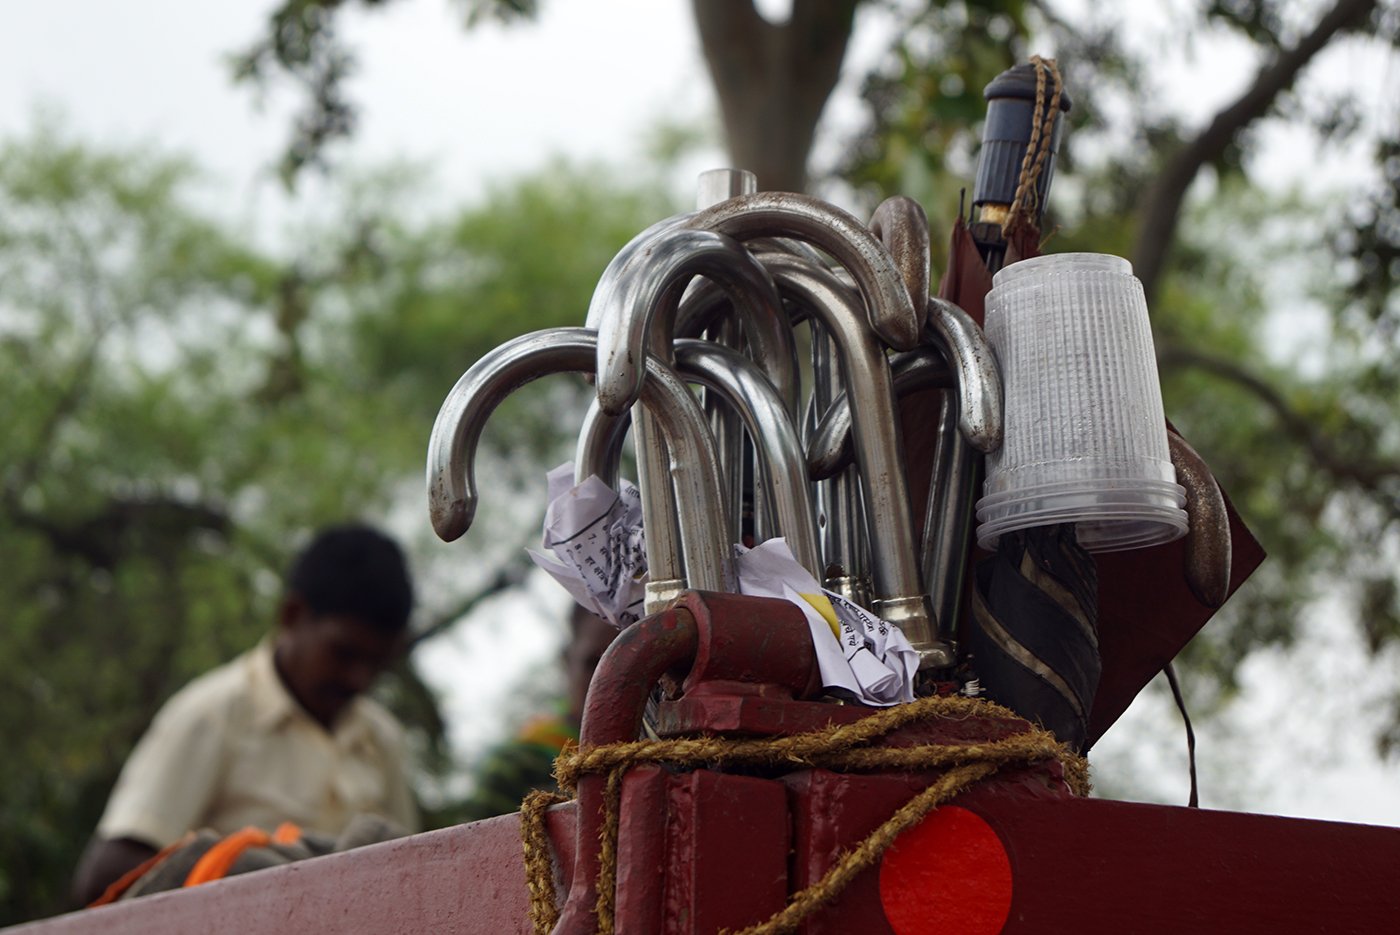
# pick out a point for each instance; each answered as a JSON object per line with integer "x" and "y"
{"x": 354, "y": 571}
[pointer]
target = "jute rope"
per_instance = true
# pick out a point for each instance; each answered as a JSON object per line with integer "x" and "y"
{"x": 1024, "y": 202}
{"x": 843, "y": 748}
{"x": 539, "y": 867}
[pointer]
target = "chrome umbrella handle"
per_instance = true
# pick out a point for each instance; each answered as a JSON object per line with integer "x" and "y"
{"x": 831, "y": 448}
{"x": 895, "y": 572}
{"x": 636, "y": 320}
{"x": 782, "y": 462}
{"x": 969, "y": 425}
{"x": 892, "y": 314}
{"x": 452, "y": 447}
{"x": 902, "y": 227}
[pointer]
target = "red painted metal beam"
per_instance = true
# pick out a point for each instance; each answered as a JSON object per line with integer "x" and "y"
{"x": 1093, "y": 867}
{"x": 1086, "y": 866}
{"x": 465, "y": 879}
{"x": 704, "y": 850}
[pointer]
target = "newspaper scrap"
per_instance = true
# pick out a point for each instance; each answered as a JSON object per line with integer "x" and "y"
{"x": 856, "y": 650}
{"x": 594, "y": 545}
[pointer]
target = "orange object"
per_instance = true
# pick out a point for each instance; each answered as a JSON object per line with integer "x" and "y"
{"x": 114, "y": 890}
{"x": 287, "y": 833}
{"x": 217, "y": 861}
{"x": 547, "y": 731}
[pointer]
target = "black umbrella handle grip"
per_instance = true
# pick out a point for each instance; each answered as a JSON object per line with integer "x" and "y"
{"x": 1006, "y": 134}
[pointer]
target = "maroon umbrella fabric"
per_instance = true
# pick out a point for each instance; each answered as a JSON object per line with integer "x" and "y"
{"x": 1146, "y": 611}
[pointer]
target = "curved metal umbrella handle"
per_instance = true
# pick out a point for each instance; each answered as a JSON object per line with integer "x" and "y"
{"x": 970, "y": 421}
{"x": 895, "y": 572}
{"x": 742, "y": 387}
{"x": 894, "y": 317}
{"x": 902, "y": 226}
{"x": 782, "y": 463}
{"x": 452, "y": 493}
{"x": 831, "y": 447}
{"x": 638, "y": 311}
{"x": 602, "y": 290}
{"x": 706, "y": 310}
{"x": 955, "y": 339}
{"x": 1208, "y": 541}
{"x": 599, "y": 447}
{"x": 980, "y": 404}
{"x": 635, "y": 311}
{"x": 840, "y": 517}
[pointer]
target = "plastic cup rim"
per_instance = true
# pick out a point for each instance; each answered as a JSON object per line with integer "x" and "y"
{"x": 1139, "y": 532}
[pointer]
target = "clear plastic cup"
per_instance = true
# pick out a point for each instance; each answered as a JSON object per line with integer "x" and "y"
{"x": 1085, "y": 438}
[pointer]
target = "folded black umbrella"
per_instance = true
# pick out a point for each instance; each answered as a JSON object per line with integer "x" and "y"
{"x": 1061, "y": 637}
{"x": 1034, "y": 640}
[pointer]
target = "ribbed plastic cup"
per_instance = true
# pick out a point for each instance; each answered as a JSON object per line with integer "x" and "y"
{"x": 1085, "y": 438}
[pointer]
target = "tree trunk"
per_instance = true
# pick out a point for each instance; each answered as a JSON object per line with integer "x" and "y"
{"x": 773, "y": 80}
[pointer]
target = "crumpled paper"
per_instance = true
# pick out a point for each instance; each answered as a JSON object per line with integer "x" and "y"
{"x": 594, "y": 545}
{"x": 856, "y": 650}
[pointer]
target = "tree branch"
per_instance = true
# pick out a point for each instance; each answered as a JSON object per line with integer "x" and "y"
{"x": 100, "y": 538}
{"x": 1160, "y": 217}
{"x": 511, "y": 576}
{"x": 300, "y": 43}
{"x": 1375, "y": 477}
{"x": 70, "y": 398}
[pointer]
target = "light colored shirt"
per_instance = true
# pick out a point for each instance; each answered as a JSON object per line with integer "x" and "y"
{"x": 234, "y": 748}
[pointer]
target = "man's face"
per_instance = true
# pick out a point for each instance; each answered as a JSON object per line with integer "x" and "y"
{"x": 327, "y": 659}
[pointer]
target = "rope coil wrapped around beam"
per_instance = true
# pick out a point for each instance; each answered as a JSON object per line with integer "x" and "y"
{"x": 844, "y": 747}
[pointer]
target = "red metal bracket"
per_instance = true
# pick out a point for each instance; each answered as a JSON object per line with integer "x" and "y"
{"x": 702, "y": 850}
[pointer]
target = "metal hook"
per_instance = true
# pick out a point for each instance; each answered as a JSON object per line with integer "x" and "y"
{"x": 452, "y": 494}
{"x": 970, "y": 423}
{"x": 894, "y": 317}
{"x": 782, "y": 463}
{"x": 830, "y": 447}
{"x": 1207, "y": 560}
{"x": 902, "y": 226}
{"x": 895, "y": 573}
{"x": 635, "y": 311}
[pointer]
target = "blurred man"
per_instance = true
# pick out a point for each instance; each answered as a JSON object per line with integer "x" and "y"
{"x": 527, "y": 761}
{"x": 283, "y": 732}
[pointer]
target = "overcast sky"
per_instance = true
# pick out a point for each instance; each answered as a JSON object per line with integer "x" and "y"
{"x": 488, "y": 102}
{"x": 587, "y": 80}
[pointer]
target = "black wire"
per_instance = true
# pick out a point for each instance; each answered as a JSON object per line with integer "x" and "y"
{"x": 1170, "y": 672}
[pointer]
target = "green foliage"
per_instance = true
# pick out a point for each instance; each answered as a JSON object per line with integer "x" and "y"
{"x": 1302, "y": 437}
{"x": 531, "y": 253}
{"x": 926, "y": 104}
{"x": 124, "y": 574}
{"x": 183, "y": 408}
